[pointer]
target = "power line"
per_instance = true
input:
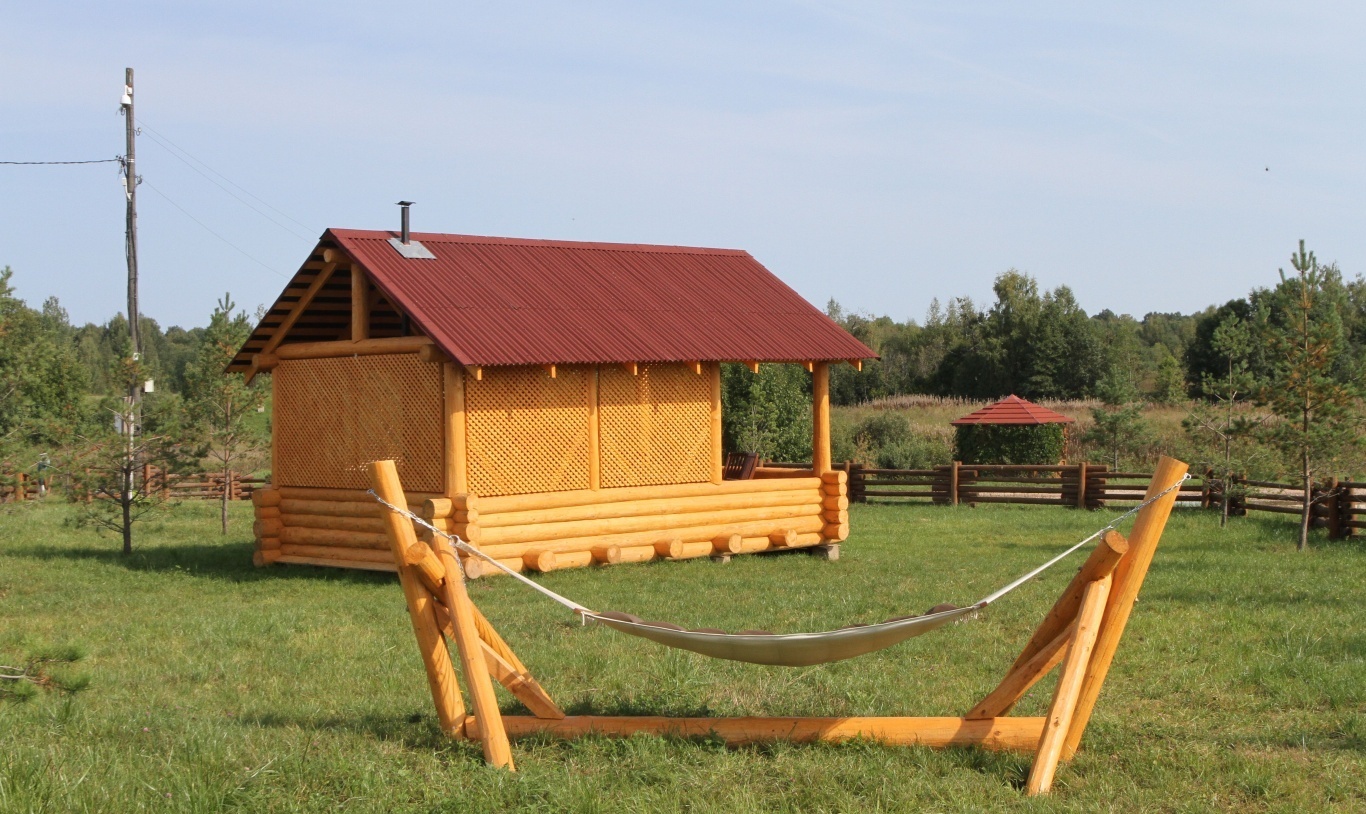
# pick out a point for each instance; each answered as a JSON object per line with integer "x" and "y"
{"x": 166, "y": 146}
{"x": 203, "y": 226}
{"x": 50, "y": 163}
{"x": 174, "y": 149}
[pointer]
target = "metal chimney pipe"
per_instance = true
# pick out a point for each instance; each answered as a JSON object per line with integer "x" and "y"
{"x": 403, "y": 228}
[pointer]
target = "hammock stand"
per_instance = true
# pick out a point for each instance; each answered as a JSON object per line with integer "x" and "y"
{"x": 1081, "y": 633}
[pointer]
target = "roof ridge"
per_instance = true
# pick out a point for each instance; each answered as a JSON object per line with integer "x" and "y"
{"x": 495, "y": 240}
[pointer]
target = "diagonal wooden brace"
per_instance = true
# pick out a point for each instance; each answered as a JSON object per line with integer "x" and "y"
{"x": 1019, "y": 680}
{"x": 1104, "y": 559}
{"x": 512, "y": 674}
{"x": 1048, "y": 644}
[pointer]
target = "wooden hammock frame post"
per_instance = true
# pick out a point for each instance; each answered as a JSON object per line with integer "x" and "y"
{"x": 1081, "y": 633}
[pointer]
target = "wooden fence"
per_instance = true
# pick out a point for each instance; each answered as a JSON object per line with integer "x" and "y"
{"x": 20, "y": 488}
{"x": 198, "y": 486}
{"x": 203, "y": 486}
{"x": 1338, "y": 506}
{"x": 1088, "y": 486}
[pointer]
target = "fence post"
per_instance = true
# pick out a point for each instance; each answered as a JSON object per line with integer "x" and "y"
{"x": 1204, "y": 488}
{"x": 1334, "y": 511}
{"x": 1081, "y": 485}
{"x": 20, "y": 485}
{"x": 1095, "y": 498}
{"x": 856, "y": 484}
{"x": 1237, "y": 503}
{"x": 1345, "y": 513}
{"x": 953, "y": 483}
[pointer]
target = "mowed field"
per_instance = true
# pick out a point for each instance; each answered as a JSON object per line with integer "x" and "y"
{"x": 1240, "y": 686}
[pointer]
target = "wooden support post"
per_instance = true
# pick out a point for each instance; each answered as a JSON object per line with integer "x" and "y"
{"x": 1081, "y": 485}
{"x": 1060, "y": 713}
{"x": 360, "y": 304}
{"x": 820, "y": 417}
{"x": 450, "y": 708}
{"x": 457, "y": 471}
{"x": 497, "y": 752}
{"x": 1128, "y": 579}
{"x": 594, "y": 431}
{"x": 953, "y": 482}
{"x": 716, "y": 461}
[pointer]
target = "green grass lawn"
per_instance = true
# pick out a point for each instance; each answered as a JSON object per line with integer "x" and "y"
{"x": 1241, "y": 684}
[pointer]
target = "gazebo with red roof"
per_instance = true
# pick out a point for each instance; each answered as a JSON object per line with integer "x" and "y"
{"x": 1011, "y": 431}
{"x": 556, "y": 403}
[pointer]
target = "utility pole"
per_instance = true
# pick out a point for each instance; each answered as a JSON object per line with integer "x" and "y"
{"x": 132, "y": 416}
{"x": 130, "y": 183}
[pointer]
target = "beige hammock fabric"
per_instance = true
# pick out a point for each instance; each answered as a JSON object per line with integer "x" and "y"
{"x": 789, "y": 649}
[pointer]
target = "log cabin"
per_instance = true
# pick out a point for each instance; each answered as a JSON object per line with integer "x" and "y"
{"x": 555, "y": 403}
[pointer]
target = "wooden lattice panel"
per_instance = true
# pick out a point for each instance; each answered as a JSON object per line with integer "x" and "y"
{"x": 333, "y": 416}
{"x": 527, "y": 432}
{"x": 655, "y": 426}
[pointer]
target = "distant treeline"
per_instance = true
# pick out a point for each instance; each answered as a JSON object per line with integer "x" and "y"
{"x": 1044, "y": 346}
{"x": 1039, "y": 345}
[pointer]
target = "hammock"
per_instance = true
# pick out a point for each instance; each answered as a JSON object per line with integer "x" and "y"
{"x": 784, "y": 650}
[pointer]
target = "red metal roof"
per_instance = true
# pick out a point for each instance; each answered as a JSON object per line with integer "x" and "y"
{"x": 1013, "y": 410}
{"x": 505, "y": 301}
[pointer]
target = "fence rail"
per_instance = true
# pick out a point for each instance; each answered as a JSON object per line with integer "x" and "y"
{"x": 193, "y": 486}
{"x": 1338, "y": 506}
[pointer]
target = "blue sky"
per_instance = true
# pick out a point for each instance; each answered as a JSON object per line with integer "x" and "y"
{"x": 1154, "y": 157}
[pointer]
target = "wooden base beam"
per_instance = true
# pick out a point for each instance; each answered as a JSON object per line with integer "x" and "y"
{"x": 1002, "y": 734}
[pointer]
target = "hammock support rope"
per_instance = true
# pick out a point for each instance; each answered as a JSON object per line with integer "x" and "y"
{"x": 1080, "y": 636}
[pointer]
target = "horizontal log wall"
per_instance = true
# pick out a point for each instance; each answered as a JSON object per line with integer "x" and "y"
{"x": 545, "y": 532}
{"x": 333, "y": 527}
